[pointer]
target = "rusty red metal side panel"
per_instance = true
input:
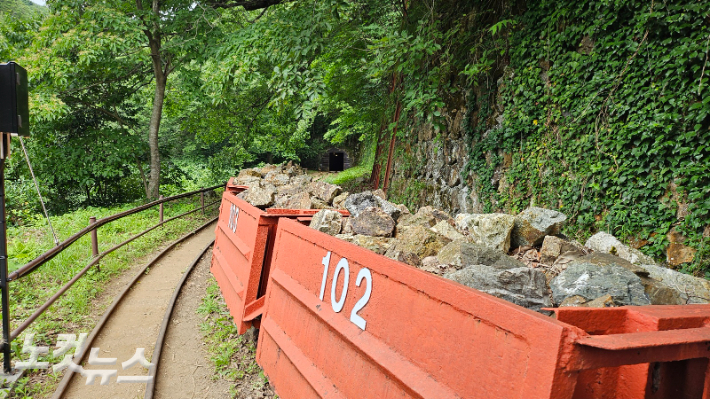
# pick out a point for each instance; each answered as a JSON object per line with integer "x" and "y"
{"x": 641, "y": 352}
{"x": 396, "y": 331}
{"x": 239, "y": 253}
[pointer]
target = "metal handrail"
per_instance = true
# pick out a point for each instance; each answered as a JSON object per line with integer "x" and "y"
{"x": 45, "y": 257}
{"x": 16, "y": 332}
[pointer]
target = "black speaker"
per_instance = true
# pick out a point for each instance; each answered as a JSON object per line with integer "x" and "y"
{"x": 14, "y": 107}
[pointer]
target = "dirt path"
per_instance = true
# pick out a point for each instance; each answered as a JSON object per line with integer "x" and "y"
{"x": 135, "y": 324}
{"x": 185, "y": 369}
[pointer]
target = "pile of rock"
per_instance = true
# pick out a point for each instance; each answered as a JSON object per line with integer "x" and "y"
{"x": 523, "y": 259}
{"x": 545, "y": 268}
{"x": 287, "y": 186}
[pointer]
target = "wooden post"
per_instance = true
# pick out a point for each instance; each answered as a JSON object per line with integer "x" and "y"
{"x": 161, "y": 210}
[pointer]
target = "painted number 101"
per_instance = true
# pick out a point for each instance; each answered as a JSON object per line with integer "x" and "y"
{"x": 338, "y": 303}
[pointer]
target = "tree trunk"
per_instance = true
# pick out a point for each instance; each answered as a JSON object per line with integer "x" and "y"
{"x": 155, "y": 118}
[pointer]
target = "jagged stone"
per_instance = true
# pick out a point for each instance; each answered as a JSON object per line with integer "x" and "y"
{"x": 607, "y": 243}
{"x": 420, "y": 241}
{"x": 260, "y": 197}
{"x": 574, "y": 301}
{"x": 339, "y": 201}
{"x": 298, "y": 201}
{"x": 533, "y": 224}
{"x": 379, "y": 245}
{"x": 492, "y": 230}
{"x": 327, "y": 221}
{"x": 605, "y": 301}
{"x": 355, "y": 203}
{"x": 324, "y": 191}
{"x": 425, "y": 216}
{"x": 405, "y": 257}
{"x": 277, "y": 179}
{"x": 380, "y": 194}
{"x": 291, "y": 189}
{"x": 602, "y": 259}
{"x": 448, "y": 231}
{"x": 372, "y": 221}
{"x": 553, "y": 247}
{"x": 691, "y": 289}
{"x": 522, "y": 286}
{"x": 593, "y": 281}
{"x": 462, "y": 253}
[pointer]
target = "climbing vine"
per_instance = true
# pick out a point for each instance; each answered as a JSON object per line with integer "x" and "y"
{"x": 605, "y": 116}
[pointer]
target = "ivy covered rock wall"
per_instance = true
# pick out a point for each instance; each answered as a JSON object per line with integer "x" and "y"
{"x": 597, "y": 109}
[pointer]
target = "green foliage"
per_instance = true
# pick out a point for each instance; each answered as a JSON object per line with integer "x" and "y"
{"x": 605, "y": 117}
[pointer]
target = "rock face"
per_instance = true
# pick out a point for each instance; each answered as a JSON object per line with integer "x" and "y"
{"x": 372, "y": 221}
{"x": 533, "y": 224}
{"x": 593, "y": 281}
{"x": 607, "y": 243}
{"x": 492, "y": 230}
{"x": 523, "y": 286}
{"x": 327, "y": 221}
{"x": 461, "y": 253}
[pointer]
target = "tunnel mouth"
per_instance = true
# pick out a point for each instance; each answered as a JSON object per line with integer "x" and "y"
{"x": 336, "y": 161}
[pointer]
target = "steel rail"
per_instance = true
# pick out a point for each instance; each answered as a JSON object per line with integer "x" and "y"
{"x": 22, "y": 327}
{"x": 157, "y": 351}
{"x": 42, "y": 259}
{"x": 79, "y": 357}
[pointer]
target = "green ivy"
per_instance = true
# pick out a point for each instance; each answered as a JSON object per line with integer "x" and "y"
{"x": 605, "y": 117}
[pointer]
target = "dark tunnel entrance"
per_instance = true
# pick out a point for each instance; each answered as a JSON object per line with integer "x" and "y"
{"x": 336, "y": 161}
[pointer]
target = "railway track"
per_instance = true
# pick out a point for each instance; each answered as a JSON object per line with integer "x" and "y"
{"x": 139, "y": 317}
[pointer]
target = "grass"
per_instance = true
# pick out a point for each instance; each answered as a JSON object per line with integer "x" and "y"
{"x": 350, "y": 176}
{"x": 79, "y": 308}
{"x": 233, "y": 356}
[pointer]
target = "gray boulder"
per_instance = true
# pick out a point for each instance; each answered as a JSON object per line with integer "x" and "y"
{"x": 372, "y": 221}
{"x": 260, "y": 197}
{"x": 277, "y": 178}
{"x": 522, "y": 286}
{"x": 426, "y": 216}
{"x": 356, "y": 203}
{"x": 462, "y": 253}
{"x": 324, "y": 191}
{"x": 420, "y": 241}
{"x": 447, "y": 230}
{"x": 327, "y": 221}
{"x": 691, "y": 289}
{"x": 339, "y": 201}
{"x": 607, "y": 243}
{"x": 298, "y": 201}
{"x": 379, "y": 245}
{"x": 553, "y": 247}
{"x": 492, "y": 230}
{"x": 533, "y": 224}
{"x": 593, "y": 281}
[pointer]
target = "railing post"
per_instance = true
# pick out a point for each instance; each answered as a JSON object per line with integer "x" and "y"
{"x": 202, "y": 201}
{"x": 4, "y": 294}
{"x": 94, "y": 238}
{"x": 161, "y": 210}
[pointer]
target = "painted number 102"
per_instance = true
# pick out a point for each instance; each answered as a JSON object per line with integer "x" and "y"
{"x": 338, "y": 303}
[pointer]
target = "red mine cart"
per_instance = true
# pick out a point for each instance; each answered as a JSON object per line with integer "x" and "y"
{"x": 241, "y": 258}
{"x": 339, "y": 321}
